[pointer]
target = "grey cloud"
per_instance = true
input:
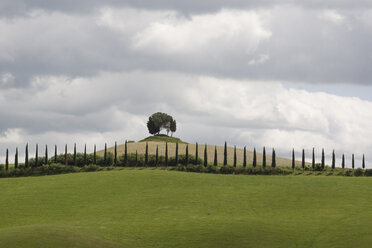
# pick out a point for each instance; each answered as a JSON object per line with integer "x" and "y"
{"x": 22, "y": 7}
{"x": 301, "y": 47}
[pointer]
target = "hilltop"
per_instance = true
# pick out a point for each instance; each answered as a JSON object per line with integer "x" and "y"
{"x": 163, "y": 138}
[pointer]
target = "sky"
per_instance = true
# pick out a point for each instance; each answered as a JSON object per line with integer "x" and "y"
{"x": 283, "y": 74}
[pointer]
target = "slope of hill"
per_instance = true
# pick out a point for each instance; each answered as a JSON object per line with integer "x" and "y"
{"x": 157, "y": 208}
{"x": 140, "y": 147}
{"x": 163, "y": 138}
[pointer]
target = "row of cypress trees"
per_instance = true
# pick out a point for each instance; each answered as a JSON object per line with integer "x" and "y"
{"x": 187, "y": 157}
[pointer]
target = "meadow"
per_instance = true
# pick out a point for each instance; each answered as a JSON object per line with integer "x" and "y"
{"x": 152, "y": 207}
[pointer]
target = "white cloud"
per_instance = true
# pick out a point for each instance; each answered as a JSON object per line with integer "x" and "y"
{"x": 6, "y": 79}
{"x": 332, "y": 16}
{"x": 207, "y": 109}
{"x": 260, "y": 60}
{"x": 11, "y": 135}
{"x": 228, "y": 30}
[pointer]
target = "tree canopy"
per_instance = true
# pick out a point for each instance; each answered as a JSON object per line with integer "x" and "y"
{"x": 160, "y": 121}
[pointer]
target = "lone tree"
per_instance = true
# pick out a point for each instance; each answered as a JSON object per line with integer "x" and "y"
{"x": 160, "y": 121}
{"x": 173, "y": 127}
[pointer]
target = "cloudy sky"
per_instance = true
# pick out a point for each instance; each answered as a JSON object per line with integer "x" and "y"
{"x": 259, "y": 73}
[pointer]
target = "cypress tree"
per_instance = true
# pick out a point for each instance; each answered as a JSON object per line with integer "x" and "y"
{"x": 136, "y": 161}
{"x": 353, "y": 161}
{"x": 157, "y": 155}
{"x": 46, "y": 154}
{"x": 16, "y": 159}
{"x": 146, "y": 154}
{"x": 66, "y": 159}
{"x": 95, "y": 154}
{"x": 74, "y": 154}
{"x": 264, "y": 158}
{"x": 116, "y": 154}
{"x": 245, "y": 157}
{"x": 7, "y": 160}
{"x": 254, "y": 163}
{"x": 215, "y": 162}
{"x": 333, "y": 159}
{"x": 303, "y": 159}
{"x": 343, "y": 161}
{"x": 105, "y": 155}
{"x": 293, "y": 160}
{"x": 363, "y": 163}
{"x": 323, "y": 159}
{"x": 187, "y": 155}
{"x": 273, "y": 162}
{"x": 197, "y": 153}
{"x": 85, "y": 154}
{"x": 225, "y": 154}
{"x": 126, "y": 153}
{"x": 235, "y": 156}
{"x": 313, "y": 160}
{"x": 166, "y": 153}
{"x": 37, "y": 155}
{"x": 55, "y": 154}
{"x": 26, "y": 156}
{"x": 176, "y": 158}
{"x": 205, "y": 156}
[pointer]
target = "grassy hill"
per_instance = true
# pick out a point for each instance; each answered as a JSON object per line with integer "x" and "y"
{"x": 157, "y": 208}
{"x": 140, "y": 147}
{"x": 163, "y": 138}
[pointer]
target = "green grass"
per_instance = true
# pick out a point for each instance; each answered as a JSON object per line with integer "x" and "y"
{"x": 163, "y": 138}
{"x": 158, "y": 208}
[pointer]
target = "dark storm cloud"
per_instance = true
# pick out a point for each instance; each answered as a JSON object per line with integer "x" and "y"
{"x": 22, "y": 7}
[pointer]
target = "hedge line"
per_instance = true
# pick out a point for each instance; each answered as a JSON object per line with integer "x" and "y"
{"x": 54, "y": 169}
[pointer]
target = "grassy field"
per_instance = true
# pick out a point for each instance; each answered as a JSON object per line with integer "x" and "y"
{"x": 157, "y": 208}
